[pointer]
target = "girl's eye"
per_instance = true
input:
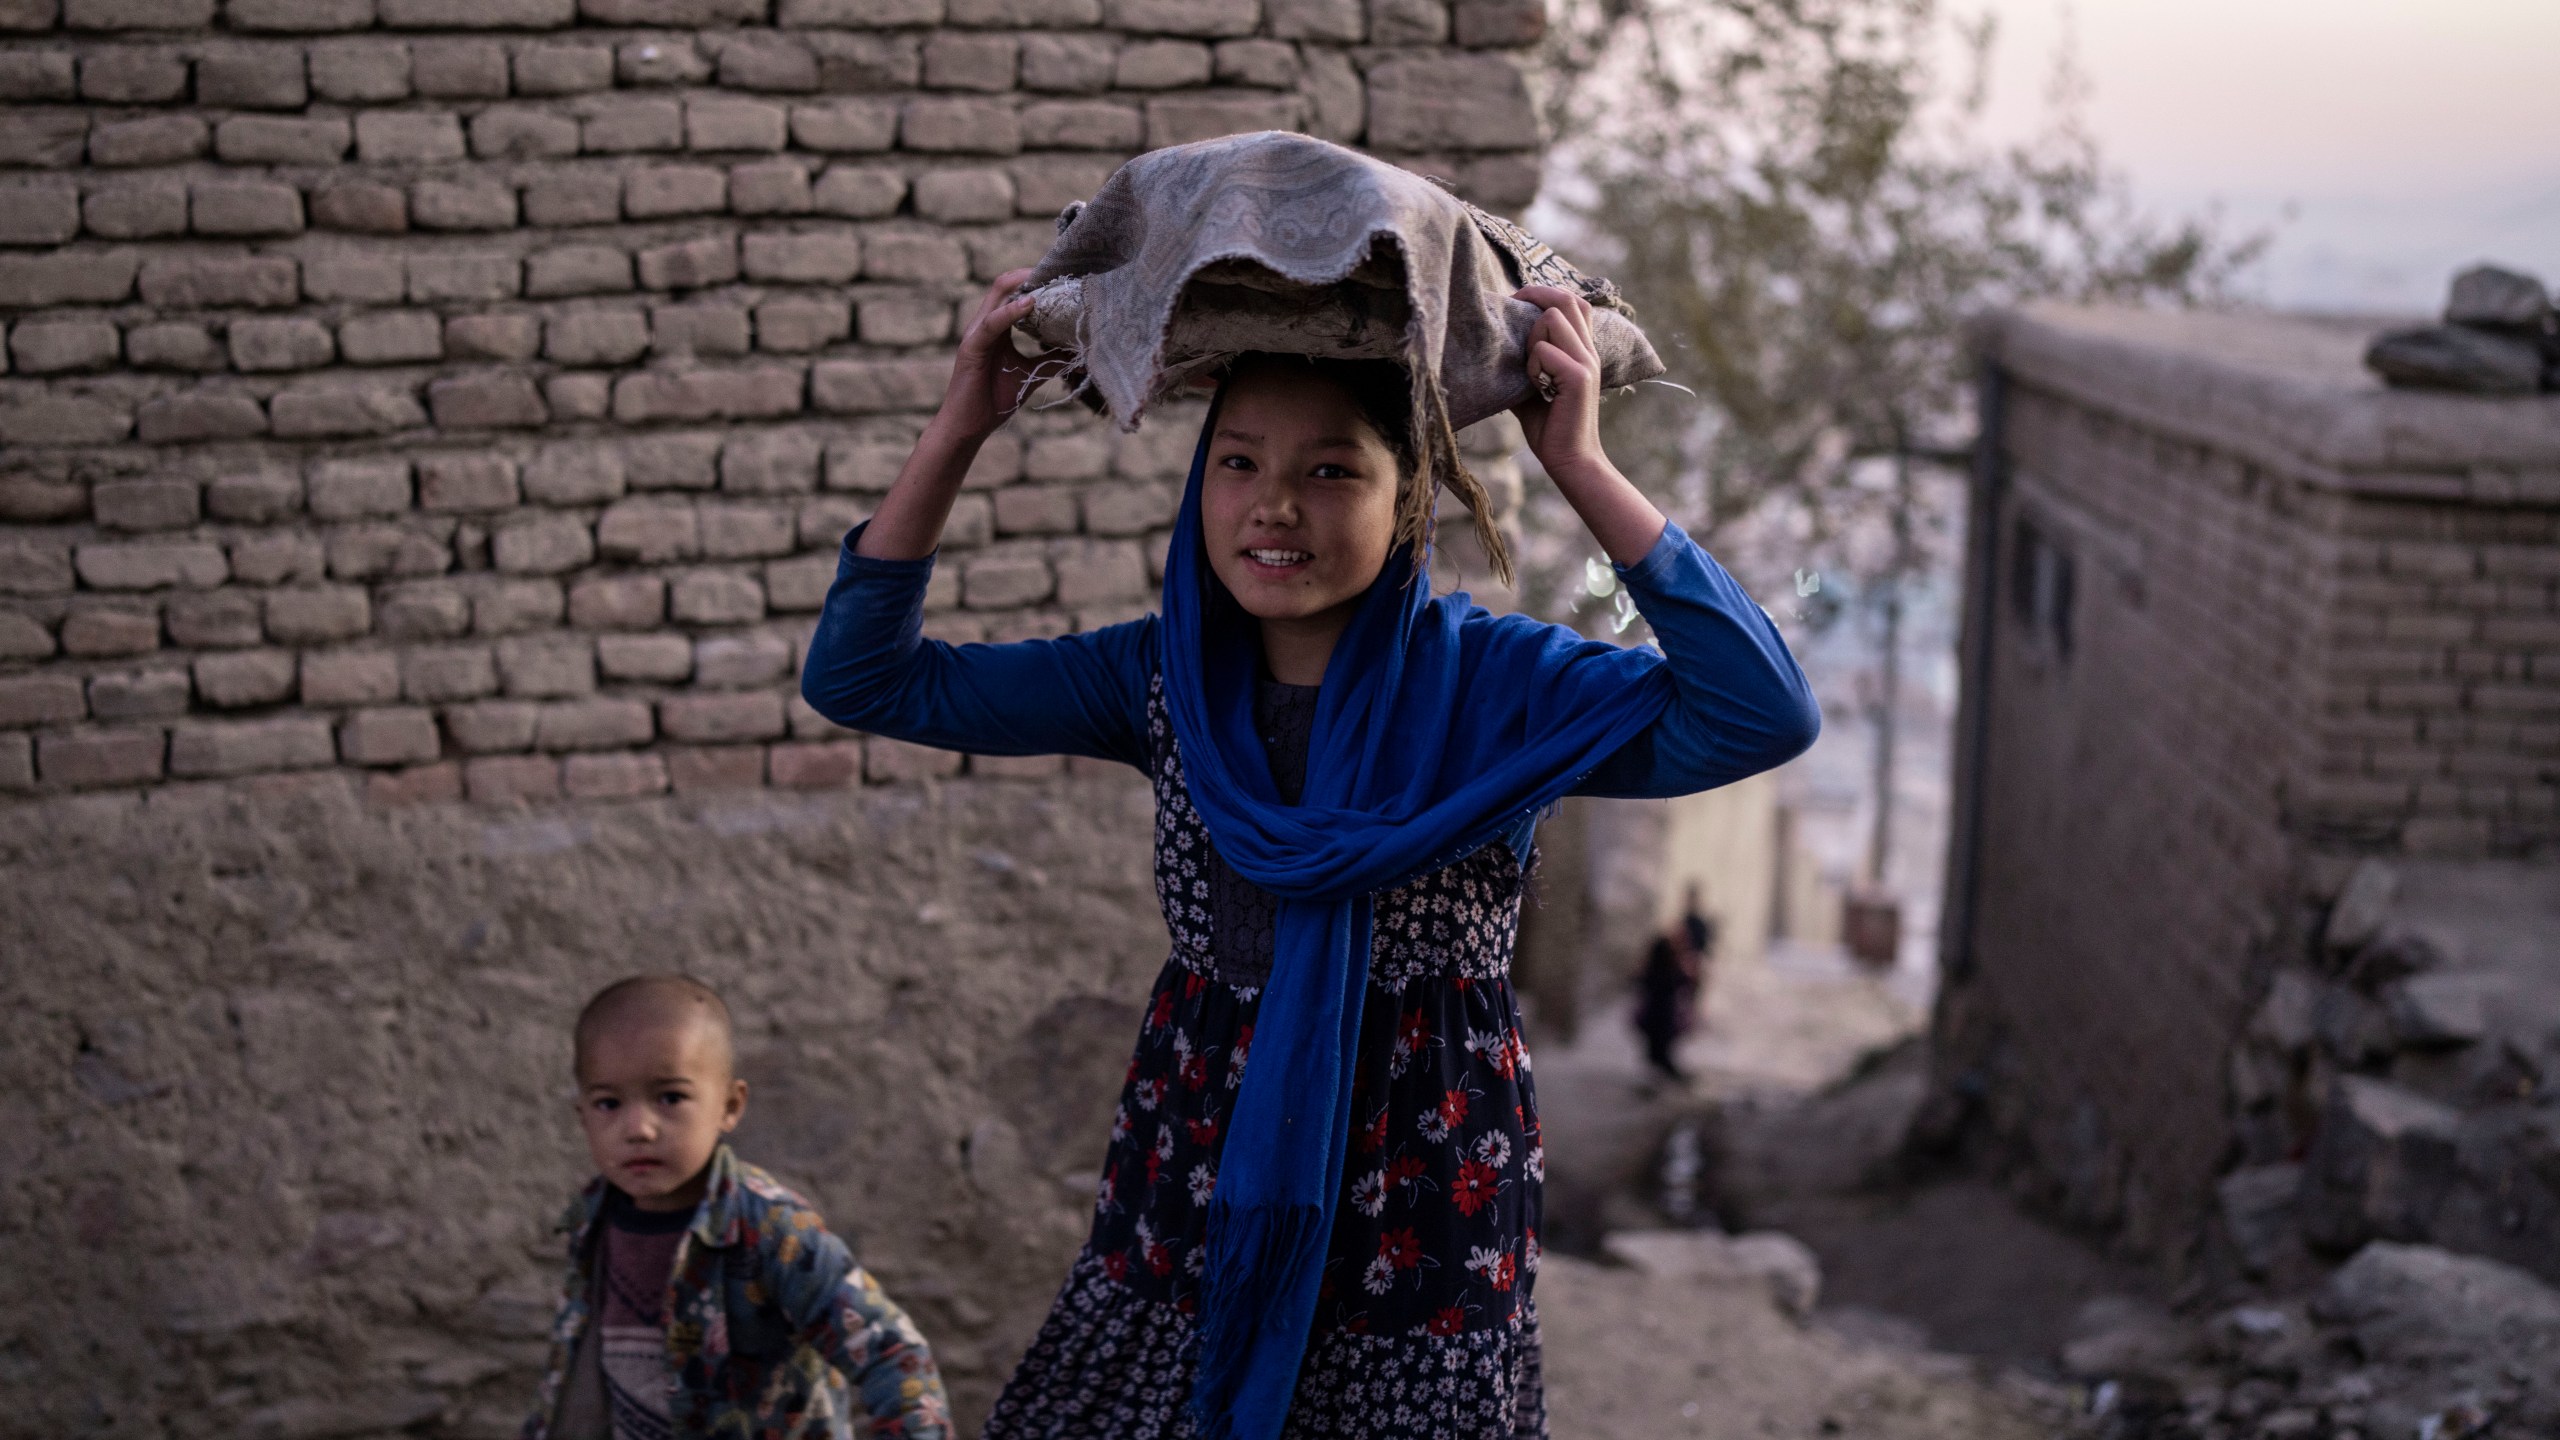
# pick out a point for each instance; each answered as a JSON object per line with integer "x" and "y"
{"x": 1333, "y": 472}
{"x": 607, "y": 1107}
{"x": 673, "y": 1097}
{"x": 1234, "y": 462}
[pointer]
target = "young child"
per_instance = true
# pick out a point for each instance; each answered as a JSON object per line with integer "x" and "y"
{"x": 703, "y": 1298}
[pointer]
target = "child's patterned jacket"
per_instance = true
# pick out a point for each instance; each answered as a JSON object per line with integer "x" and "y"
{"x": 768, "y": 1321}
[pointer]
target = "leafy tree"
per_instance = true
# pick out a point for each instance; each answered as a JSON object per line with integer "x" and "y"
{"x": 1794, "y": 196}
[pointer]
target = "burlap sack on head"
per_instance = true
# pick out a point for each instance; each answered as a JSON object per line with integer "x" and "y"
{"x": 1191, "y": 255}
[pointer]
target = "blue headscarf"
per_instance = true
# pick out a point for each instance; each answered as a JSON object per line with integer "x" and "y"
{"x": 1438, "y": 728}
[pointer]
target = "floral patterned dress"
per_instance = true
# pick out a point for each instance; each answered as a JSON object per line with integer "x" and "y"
{"x": 1424, "y": 1326}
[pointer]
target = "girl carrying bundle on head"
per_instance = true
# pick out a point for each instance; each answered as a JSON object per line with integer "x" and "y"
{"x": 1319, "y": 1211}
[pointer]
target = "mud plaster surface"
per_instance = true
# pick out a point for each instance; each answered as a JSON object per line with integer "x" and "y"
{"x": 284, "y": 1118}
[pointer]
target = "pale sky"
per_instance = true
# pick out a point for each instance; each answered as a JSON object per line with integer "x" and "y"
{"x": 2408, "y": 137}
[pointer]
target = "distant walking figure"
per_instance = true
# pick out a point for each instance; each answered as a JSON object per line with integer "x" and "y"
{"x": 1674, "y": 976}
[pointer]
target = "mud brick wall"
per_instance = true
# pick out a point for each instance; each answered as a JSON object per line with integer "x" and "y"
{"x": 474, "y": 391}
{"x": 426, "y": 430}
{"x": 2305, "y": 621}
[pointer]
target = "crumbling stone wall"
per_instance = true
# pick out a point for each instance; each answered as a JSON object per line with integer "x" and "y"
{"x": 2246, "y": 619}
{"x": 426, "y": 428}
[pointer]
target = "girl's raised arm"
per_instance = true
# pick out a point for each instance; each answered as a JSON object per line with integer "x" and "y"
{"x": 869, "y": 666}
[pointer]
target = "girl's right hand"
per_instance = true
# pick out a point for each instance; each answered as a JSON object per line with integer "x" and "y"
{"x": 989, "y": 378}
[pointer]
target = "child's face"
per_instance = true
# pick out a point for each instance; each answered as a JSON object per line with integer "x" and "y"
{"x": 1298, "y": 504}
{"x": 655, "y": 1098}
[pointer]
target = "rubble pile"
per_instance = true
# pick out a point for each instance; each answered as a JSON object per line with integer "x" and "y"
{"x": 2405, "y": 1083}
{"x": 2500, "y": 336}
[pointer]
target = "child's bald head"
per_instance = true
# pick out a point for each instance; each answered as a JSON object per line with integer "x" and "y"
{"x": 650, "y": 1003}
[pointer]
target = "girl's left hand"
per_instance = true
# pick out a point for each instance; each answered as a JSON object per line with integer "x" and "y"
{"x": 1562, "y": 416}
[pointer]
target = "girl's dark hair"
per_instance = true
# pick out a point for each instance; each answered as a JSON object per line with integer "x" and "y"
{"x": 1385, "y": 394}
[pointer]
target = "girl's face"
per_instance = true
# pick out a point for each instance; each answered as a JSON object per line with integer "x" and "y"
{"x": 1298, "y": 504}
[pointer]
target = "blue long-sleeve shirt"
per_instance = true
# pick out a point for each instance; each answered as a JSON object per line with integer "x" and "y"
{"x": 1742, "y": 704}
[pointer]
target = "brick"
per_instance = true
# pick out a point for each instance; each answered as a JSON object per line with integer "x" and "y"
{"x": 511, "y": 779}
{"x": 828, "y": 765}
{"x": 35, "y": 75}
{"x": 770, "y": 187}
{"x": 293, "y": 343}
{"x": 60, "y": 419}
{"x": 824, "y": 520}
{"x": 23, "y": 637}
{"x": 1036, "y": 510}
{"x": 508, "y": 607}
{"x": 955, "y": 125}
{"x": 845, "y": 125}
{"x": 103, "y": 630}
{"x": 597, "y": 337}
{"x": 578, "y": 198}
{"x": 627, "y": 126}
{"x": 661, "y": 191}
{"x": 547, "y": 667}
{"x": 486, "y": 401}
{"x": 659, "y": 659}
{"x": 690, "y": 264}
{"x": 391, "y": 735}
{"x": 408, "y": 137}
{"x": 1094, "y": 572}
{"x": 136, "y": 212}
{"x": 949, "y": 196}
{"x": 1182, "y": 119}
{"x": 679, "y": 13}
{"x": 888, "y": 762}
{"x": 150, "y": 565}
{"x": 301, "y": 17}
{"x": 1081, "y": 125}
{"x": 223, "y": 619}
{"x": 517, "y": 133}
{"x": 1269, "y": 64}
{"x": 1069, "y": 64}
{"x": 594, "y": 724}
{"x": 47, "y": 347}
{"x": 276, "y": 140}
{"x": 715, "y": 597}
{"x": 493, "y": 337}
{"x": 459, "y": 70}
{"x": 613, "y": 776}
{"x": 859, "y": 191}
{"x": 473, "y": 204}
{"x": 618, "y": 602}
{"x": 867, "y": 462}
{"x": 28, "y": 700}
{"x": 479, "y": 15}
{"x": 1162, "y": 65}
{"x": 799, "y": 585}
{"x": 1408, "y": 22}
{"x": 972, "y": 62}
{"x": 275, "y": 559}
{"x": 731, "y": 532}
{"x": 716, "y": 768}
{"x": 648, "y": 531}
{"x": 210, "y": 282}
{"x": 150, "y": 140}
{"x": 1500, "y": 24}
{"x": 101, "y": 757}
{"x": 1001, "y": 580}
{"x": 348, "y": 489}
{"x": 365, "y": 207}
{"x": 674, "y": 462}
{"x": 1206, "y": 18}
{"x": 1075, "y": 455}
{"x": 743, "y": 393}
{"x": 252, "y": 78}
{"x": 28, "y": 496}
{"x": 544, "y": 545}
{"x": 360, "y": 72}
{"x": 859, "y": 14}
{"x": 438, "y": 784}
{"x": 95, "y": 278}
{"x": 466, "y": 483}
{"x": 244, "y": 678}
{"x": 140, "y": 694}
{"x": 146, "y": 504}
{"x": 732, "y": 124}
{"x": 178, "y": 345}
{"x": 874, "y": 386}
{"x": 739, "y": 662}
{"x": 318, "y": 614}
{"x": 574, "y": 475}
{"x": 47, "y": 213}
{"x": 491, "y": 726}
{"x": 392, "y": 337}
{"x": 563, "y": 69}
{"x": 800, "y": 325}
{"x": 722, "y": 718}
{"x": 43, "y": 139}
{"x": 448, "y": 673}
{"x": 662, "y": 60}
{"x": 371, "y": 551}
{"x": 905, "y": 318}
{"x": 808, "y": 258}
{"x": 1451, "y": 102}
{"x": 777, "y": 462}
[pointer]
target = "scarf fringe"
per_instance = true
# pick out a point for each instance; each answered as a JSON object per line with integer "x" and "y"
{"x": 1248, "y": 1323}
